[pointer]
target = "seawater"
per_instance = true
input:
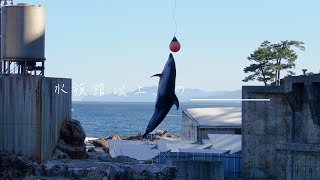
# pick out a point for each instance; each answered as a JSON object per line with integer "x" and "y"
{"x": 100, "y": 119}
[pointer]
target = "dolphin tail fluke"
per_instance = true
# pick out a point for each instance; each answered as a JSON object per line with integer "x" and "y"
{"x": 176, "y": 101}
{"x": 156, "y": 75}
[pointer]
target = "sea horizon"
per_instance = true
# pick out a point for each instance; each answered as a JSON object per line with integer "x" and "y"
{"x": 101, "y": 119}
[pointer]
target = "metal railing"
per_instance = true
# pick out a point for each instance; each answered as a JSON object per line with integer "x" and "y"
{"x": 231, "y": 162}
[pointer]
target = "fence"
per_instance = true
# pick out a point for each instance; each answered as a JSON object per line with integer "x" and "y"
{"x": 231, "y": 162}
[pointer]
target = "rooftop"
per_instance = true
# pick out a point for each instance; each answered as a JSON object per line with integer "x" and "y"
{"x": 219, "y": 117}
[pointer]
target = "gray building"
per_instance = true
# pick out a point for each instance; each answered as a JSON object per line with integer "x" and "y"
{"x": 197, "y": 123}
{"x": 281, "y": 138}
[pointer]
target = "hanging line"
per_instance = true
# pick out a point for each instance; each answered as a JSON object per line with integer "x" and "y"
{"x": 174, "y": 17}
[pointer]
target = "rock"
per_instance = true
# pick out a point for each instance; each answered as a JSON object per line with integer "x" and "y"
{"x": 58, "y": 154}
{"x": 71, "y": 140}
{"x": 96, "y": 149}
{"x": 100, "y": 143}
{"x": 150, "y": 171}
{"x": 161, "y": 132}
{"x": 135, "y": 137}
{"x": 74, "y": 151}
{"x": 13, "y": 166}
{"x": 72, "y": 132}
{"x": 115, "y": 137}
{"x": 169, "y": 135}
{"x": 100, "y": 156}
{"x": 106, "y": 149}
{"x": 97, "y": 166}
{"x": 122, "y": 159}
{"x": 89, "y": 143}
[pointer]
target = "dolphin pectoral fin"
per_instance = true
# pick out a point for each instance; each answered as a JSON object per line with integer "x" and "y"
{"x": 176, "y": 101}
{"x": 156, "y": 75}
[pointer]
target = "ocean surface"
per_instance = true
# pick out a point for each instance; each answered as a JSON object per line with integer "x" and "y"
{"x": 100, "y": 119}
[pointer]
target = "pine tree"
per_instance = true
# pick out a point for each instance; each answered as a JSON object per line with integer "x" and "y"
{"x": 262, "y": 69}
{"x": 270, "y": 59}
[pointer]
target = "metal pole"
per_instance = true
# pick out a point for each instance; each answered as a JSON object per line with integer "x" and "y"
{"x": 24, "y": 67}
{"x": 42, "y": 68}
{"x": 4, "y": 67}
{"x": 0, "y": 38}
{"x": 9, "y": 67}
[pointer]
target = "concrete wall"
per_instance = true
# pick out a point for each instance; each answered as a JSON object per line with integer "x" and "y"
{"x": 281, "y": 138}
{"x": 190, "y": 170}
{"x": 189, "y": 127}
{"x": 193, "y": 131}
{"x": 31, "y": 114}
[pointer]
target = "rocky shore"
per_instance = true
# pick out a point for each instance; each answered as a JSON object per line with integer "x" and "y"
{"x": 71, "y": 160}
{"x": 101, "y": 144}
{"x": 96, "y": 166}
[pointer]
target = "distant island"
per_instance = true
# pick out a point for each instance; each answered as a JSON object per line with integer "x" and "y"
{"x": 148, "y": 94}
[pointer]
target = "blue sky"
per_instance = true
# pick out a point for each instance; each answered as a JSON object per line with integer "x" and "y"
{"x": 118, "y": 42}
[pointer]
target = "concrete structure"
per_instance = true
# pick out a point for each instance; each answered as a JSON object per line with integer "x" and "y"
{"x": 229, "y": 142}
{"x": 135, "y": 149}
{"x": 199, "y": 122}
{"x": 32, "y": 109}
{"x": 281, "y": 138}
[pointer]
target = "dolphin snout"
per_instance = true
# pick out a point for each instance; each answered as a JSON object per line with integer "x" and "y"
{"x": 171, "y": 61}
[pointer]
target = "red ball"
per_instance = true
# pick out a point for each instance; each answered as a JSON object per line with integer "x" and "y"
{"x": 174, "y": 45}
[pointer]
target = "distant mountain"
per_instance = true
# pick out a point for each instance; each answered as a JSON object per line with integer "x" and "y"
{"x": 148, "y": 94}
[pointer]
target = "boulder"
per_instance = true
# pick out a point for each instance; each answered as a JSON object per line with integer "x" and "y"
{"x": 71, "y": 140}
{"x": 115, "y": 137}
{"x": 100, "y": 143}
{"x": 73, "y": 151}
{"x": 72, "y": 132}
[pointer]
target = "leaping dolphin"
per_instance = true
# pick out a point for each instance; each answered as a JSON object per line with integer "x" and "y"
{"x": 166, "y": 96}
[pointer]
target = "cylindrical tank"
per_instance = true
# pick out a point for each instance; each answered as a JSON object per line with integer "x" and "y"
{"x": 23, "y": 33}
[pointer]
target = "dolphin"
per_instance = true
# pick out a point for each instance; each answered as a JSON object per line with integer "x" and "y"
{"x": 166, "y": 96}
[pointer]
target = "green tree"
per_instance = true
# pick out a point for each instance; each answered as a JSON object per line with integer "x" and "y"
{"x": 285, "y": 57}
{"x": 262, "y": 68}
{"x": 270, "y": 59}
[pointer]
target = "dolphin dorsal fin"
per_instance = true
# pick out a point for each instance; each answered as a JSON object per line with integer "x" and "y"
{"x": 156, "y": 75}
{"x": 176, "y": 101}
